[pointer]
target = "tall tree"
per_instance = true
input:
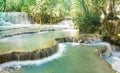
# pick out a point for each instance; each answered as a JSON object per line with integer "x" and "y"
{"x": 109, "y": 20}
{"x": 107, "y": 10}
{"x": 4, "y": 4}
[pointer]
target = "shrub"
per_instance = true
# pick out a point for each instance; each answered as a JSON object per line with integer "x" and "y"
{"x": 88, "y": 22}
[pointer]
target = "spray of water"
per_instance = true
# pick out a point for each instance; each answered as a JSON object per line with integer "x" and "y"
{"x": 8, "y": 18}
{"x": 35, "y": 62}
{"x": 112, "y": 56}
{"x": 19, "y": 64}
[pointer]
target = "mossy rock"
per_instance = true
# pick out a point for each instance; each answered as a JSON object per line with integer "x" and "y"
{"x": 115, "y": 40}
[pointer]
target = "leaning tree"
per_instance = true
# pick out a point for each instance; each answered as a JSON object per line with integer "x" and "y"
{"x": 108, "y": 18}
{"x": 2, "y": 5}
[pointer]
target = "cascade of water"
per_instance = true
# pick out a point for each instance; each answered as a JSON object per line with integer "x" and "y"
{"x": 8, "y": 18}
{"x": 108, "y": 51}
{"x": 114, "y": 60}
{"x": 110, "y": 55}
{"x": 36, "y": 62}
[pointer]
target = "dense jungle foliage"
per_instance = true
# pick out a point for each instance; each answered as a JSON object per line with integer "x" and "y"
{"x": 89, "y": 16}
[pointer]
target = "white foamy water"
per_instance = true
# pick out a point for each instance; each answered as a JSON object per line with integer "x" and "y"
{"x": 35, "y": 62}
{"x": 4, "y": 68}
{"x": 107, "y": 45}
{"x": 9, "y": 18}
{"x": 114, "y": 58}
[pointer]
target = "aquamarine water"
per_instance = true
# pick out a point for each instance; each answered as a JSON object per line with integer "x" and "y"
{"x": 71, "y": 58}
{"x": 68, "y": 62}
{"x": 33, "y": 41}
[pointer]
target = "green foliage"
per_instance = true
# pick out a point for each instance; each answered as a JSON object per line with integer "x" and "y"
{"x": 83, "y": 12}
{"x": 88, "y": 23}
{"x": 85, "y": 17}
{"x": 43, "y": 11}
{"x": 49, "y": 11}
{"x": 40, "y": 11}
{"x": 17, "y": 5}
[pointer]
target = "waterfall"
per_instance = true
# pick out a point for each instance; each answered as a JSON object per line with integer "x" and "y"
{"x": 114, "y": 60}
{"x": 9, "y": 18}
{"x": 110, "y": 55}
{"x": 61, "y": 50}
{"x": 107, "y": 51}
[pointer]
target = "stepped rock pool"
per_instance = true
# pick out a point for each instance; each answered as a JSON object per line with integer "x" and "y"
{"x": 32, "y": 41}
{"x": 71, "y": 58}
{"x": 19, "y": 32}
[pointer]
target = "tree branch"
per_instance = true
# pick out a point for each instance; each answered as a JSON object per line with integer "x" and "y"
{"x": 99, "y": 7}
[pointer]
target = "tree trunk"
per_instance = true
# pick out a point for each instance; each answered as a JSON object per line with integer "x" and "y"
{"x": 4, "y": 5}
{"x": 108, "y": 14}
{"x": 110, "y": 9}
